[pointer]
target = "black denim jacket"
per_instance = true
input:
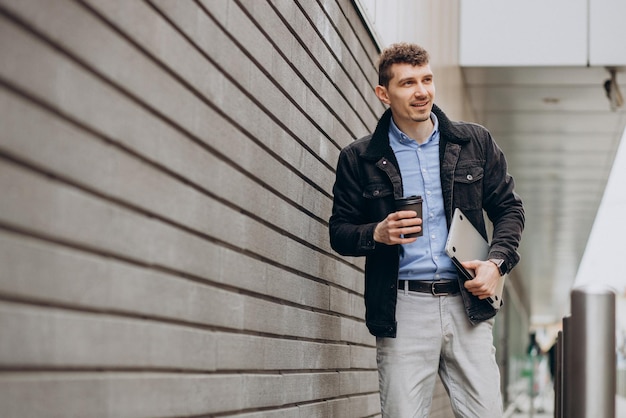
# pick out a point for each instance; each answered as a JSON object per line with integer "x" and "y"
{"x": 473, "y": 177}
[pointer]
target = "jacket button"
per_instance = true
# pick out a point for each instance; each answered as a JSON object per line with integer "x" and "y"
{"x": 384, "y": 162}
{"x": 469, "y": 177}
{"x": 376, "y": 192}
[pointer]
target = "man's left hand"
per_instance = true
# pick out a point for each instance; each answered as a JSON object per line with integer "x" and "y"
{"x": 485, "y": 282}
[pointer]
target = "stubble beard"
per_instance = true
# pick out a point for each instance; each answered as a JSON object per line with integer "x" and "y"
{"x": 421, "y": 118}
{"x": 421, "y": 114}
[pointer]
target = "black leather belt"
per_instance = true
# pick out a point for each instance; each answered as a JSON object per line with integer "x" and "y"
{"x": 436, "y": 288}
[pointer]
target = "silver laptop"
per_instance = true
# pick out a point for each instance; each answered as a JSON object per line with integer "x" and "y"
{"x": 465, "y": 244}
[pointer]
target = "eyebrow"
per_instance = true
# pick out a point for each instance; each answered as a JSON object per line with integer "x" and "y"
{"x": 415, "y": 78}
{"x": 402, "y": 80}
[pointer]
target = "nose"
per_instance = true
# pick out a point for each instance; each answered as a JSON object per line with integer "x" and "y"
{"x": 420, "y": 89}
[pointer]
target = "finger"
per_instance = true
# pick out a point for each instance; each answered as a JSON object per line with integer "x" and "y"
{"x": 400, "y": 236}
{"x": 405, "y": 214}
{"x": 474, "y": 286}
{"x": 407, "y": 240}
{"x": 408, "y": 223}
{"x": 472, "y": 264}
{"x": 481, "y": 291}
{"x": 411, "y": 230}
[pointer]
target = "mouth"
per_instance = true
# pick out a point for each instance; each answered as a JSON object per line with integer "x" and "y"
{"x": 420, "y": 104}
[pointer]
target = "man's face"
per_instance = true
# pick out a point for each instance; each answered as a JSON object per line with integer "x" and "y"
{"x": 410, "y": 94}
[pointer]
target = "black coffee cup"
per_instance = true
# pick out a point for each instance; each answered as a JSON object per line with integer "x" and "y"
{"x": 413, "y": 203}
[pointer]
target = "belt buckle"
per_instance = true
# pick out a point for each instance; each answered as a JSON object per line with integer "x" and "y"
{"x": 434, "y": 292}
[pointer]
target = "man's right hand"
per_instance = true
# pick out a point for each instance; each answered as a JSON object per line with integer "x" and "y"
{"x": 390, "y": 230}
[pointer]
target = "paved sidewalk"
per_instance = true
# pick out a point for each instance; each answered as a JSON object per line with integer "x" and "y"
{"x": 620, "y": 407}
{"x": 544, "y": 408}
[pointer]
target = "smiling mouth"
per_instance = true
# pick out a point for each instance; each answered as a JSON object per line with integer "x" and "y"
{"x": 419, "y": 104}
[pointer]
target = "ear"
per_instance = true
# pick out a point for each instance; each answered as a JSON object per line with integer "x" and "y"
{"x": 381, "y": 93}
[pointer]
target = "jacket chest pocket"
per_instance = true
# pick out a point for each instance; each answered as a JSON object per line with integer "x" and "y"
{"x": 379, "y": 200}
{"x": 377, "y": 191}
{"x": 468, "y": 187}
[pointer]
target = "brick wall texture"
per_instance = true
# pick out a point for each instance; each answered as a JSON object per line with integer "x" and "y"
{"x": 166, "y": 172}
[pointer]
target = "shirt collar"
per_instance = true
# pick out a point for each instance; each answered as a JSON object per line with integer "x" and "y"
{"x": 404, "y": 139}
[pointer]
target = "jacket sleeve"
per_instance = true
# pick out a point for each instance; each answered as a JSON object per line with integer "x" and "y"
{"x": 503, "y": 206}
{"x": 351, "y": 234}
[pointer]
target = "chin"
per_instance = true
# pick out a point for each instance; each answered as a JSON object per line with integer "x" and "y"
{"x": 422, "y": 118}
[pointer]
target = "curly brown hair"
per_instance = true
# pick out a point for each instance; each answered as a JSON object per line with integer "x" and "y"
{"x": 403, "y": 53}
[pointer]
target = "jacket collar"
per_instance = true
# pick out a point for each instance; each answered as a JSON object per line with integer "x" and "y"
{"x": 379, "y": 145}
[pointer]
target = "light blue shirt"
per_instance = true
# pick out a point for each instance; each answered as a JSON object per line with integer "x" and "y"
{"x": 424, "y": 259}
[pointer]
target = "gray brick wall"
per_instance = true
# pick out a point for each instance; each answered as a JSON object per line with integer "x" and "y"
{"x": 166, "y": 172}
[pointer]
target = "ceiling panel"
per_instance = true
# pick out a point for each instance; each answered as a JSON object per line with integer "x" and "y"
{"x": 565, "y": 98}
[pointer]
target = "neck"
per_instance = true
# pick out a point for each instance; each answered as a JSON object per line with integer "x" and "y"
{"x": 418, "y": 131}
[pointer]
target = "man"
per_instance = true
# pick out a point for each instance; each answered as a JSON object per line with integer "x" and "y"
{"x": 425, "y": 318}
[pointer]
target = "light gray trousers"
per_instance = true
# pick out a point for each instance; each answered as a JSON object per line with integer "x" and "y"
{"x": 434, "y": 336}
